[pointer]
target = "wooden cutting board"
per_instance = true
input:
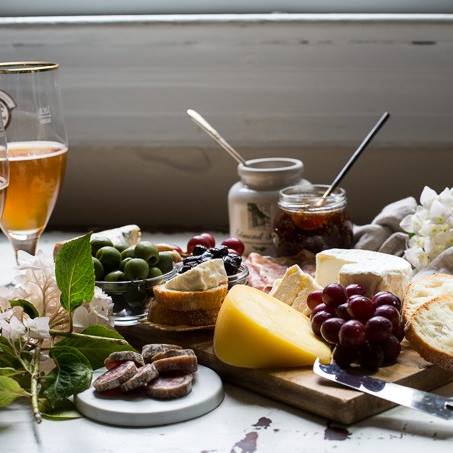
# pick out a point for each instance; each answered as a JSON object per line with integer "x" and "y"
{"x": 300, "y": 387}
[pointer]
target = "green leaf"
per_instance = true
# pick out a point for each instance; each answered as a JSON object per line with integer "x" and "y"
{"x": 64, "y": 410}
{"x": 96, "y": 350}
{"x": 74, "y": 272}
{"x": 7, "y": 356}
{"x": 8, "y": 371}
{"x": 72, "y": 375}
{"x": 27, "y": 306}
{"x": 9, "y": 391}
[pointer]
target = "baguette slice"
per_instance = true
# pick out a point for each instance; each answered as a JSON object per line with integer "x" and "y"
{"x": 430, "y": 331}
{"x": 424, "y": 289}
{"x": 186, "y": 301}
{"x": 159, "y": 314}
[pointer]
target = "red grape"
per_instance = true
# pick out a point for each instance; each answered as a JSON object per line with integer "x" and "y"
{"x": 330, "y": 328}
{"x": 360, "y": 307}
{"x": 235, "y": 244}
{"x": 399, "y": 332}
{"x": 371, "y": 356}
{"x": 334, "y": 295}
{"x": 321, "y": 307}
{"x": 342, "y": 311}
{"x": 386, "y": 298}
{"x": 355, "y": 289}
{"x": 391, "y": 313}
{"x": 314, "y": 299}
{"x": 318, "y": 319}
{"x": 344, "y": 356}
{"x": 352, "y": 333}
{"x": 210, "y": 238}
{"x": 197, "y": 240}
{"x": 378, "y": 329}
{"x": 391, "y": 348}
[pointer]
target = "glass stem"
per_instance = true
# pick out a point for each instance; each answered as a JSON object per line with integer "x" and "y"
{"x": 26, "y": 243}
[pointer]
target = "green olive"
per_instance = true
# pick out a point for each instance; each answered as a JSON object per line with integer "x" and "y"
{"x": 115, "y": 276}
{"x": 98, "y": 269}
{"x": 165, "y": 263}
{"x": 128, "y": 253}
{"x": 154, "y": 272}
{"x": 147, "y": 251}
{"x": 120, "y": 247}
{"x": 123, "y": 262}
{"x": 98, "y": 242}
{"x": 109, "y": 257}
{"x": 136, "y": 269}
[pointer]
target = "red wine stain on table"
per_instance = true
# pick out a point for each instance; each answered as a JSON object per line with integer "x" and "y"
{"x": 263, "y": 423}
{"x": 247, "y": 444}
{"x": 335, "y": 432}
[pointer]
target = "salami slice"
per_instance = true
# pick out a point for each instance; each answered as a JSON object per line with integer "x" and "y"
{"x": 144, "y": 376}
{"x": 170, "y": 387}
{"x": 150, "y": 350}
{"x": 113, "y": 378}
{"x": 182, "y": 361}
{"x": 116, "y": 358}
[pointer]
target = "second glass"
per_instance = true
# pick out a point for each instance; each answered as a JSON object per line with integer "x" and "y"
{"x": 37, "y": 149}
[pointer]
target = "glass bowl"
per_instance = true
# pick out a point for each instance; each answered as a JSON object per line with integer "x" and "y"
{"x": 130, "y": 298}
{"x": 240, "y": 278}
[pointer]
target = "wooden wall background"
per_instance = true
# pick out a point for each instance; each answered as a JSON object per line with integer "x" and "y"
{"x": 306, "y": 86}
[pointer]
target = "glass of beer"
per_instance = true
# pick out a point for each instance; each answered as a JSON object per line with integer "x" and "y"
{"x": 37, "y": 149}
{"x": 4, "y": 167}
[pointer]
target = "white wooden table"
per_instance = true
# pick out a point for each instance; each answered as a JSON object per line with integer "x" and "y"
{"x": 243, "y": 423}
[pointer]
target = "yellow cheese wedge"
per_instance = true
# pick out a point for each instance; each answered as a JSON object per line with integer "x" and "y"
{"x": 255, "y": 330}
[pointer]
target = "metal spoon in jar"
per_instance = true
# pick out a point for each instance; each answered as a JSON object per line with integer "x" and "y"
{"x": 201, "y": 122}
{"x": 366, "y": 141}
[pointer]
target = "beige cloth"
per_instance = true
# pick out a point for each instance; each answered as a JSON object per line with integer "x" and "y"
{"x": 385, "y": 235}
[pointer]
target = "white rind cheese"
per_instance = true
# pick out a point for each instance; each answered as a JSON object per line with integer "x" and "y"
{"x": 375, "y": 271}
{"x": 207, "y": 275}
{"x": 124, "y": 236}
{"x": 294, "y": 287}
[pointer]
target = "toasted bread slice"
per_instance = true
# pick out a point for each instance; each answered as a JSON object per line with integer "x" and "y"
{"x": 210, "y": 299}
{"x": 430, "y": 331}
{"x": 159, "y": 314}
{"x": 424, "y": 289}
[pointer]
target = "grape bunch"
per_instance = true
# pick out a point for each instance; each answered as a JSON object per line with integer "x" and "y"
{"x": 362, "y": 331}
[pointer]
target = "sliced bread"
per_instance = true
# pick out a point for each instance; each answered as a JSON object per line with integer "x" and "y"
{"x": 159, "y": 314}
{"x": 430, "y": 330}
{"x": 424, "y": 289}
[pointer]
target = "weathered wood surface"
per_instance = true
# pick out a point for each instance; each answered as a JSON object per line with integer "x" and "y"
{"x": 300, "y": 387}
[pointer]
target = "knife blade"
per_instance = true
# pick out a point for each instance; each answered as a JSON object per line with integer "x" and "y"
{"x": 429, "y": 403}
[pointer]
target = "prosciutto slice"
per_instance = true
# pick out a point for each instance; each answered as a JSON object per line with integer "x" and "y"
{"x": 263, "y": 271}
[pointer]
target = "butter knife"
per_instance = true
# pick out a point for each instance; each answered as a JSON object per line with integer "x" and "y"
{"x": 429, "y": 403}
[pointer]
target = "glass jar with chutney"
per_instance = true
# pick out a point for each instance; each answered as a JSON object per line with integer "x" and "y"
{"x": 304, "y": 222}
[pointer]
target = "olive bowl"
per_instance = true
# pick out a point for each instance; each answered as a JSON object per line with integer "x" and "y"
{"x": 131, "y": 297}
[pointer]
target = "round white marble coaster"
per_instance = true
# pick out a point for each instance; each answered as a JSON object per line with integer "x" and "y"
{"x": 139, "y": 410}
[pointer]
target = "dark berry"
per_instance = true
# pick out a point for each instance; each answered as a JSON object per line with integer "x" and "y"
{"x": 199, "y": 250}
{"x": 219, "y": 252}
{"x": 334, "y": 295}
{"x": 232, "y": 264}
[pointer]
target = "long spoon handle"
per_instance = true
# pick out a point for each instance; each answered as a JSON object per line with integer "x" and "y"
{"x": 200, "y": 121}
{"x": 356, "y": 154}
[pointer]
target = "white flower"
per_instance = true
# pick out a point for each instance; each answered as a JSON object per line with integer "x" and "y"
{"x": 431, "y": 227}
{"x": 98, "y": 311}
{"x": 38, "y": 327}
{"x": 6, "y": 294}
{"x": 12, "y": 330}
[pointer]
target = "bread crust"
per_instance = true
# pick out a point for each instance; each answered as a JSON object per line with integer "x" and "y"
{"x": 159, "y": 314}
{"x": 428, "y": 351}
{"x": 186, "y": 301}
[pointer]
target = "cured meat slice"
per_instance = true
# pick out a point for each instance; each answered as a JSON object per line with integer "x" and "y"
{"x": 182, "y": 361}
{"x": 170, "y": 387}
{"x": 113, "y": 378}
{"x": 150, "y": 350}
{"x": 116, "y": 358}
{"x": 263, "y": 271}
{"x": 144, "y": 376}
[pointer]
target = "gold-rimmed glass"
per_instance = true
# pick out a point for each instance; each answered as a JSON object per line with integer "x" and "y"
{"x": 37, "y": 149}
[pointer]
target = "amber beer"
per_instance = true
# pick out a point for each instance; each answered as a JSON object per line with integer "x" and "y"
{"x": 36, "y": 174}
{"x": 3, "y": 187}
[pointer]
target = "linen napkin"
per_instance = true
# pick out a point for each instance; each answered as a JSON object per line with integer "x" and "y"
{"x": 385, "y": 235}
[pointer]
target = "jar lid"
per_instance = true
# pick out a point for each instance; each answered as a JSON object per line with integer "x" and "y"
{"x": 297, "y": 198}
{"x": 271, "y": 172}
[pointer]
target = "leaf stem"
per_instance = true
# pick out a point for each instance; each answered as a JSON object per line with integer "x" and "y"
{"x": 61, "y": 333}
{"x": 34, "y": 385}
